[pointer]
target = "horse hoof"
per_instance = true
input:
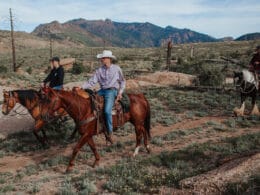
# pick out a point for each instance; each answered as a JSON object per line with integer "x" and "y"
{"x": 96, "y": 163}
{"x": 69, "y": 169}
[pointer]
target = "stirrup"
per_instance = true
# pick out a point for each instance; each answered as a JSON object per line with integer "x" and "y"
{"x": 108, "y": 138}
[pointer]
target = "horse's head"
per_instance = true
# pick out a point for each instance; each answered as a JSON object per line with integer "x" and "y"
{"x": 50, "y": 100}
{"x": 9, "y": 101}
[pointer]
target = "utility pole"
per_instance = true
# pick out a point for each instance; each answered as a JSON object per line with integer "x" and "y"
{"x": 104, "y": 46}
{"x": 192, "y": 51}
{"x": 169, "y": 53}
{"x": 51, "y": 48}
{"x": 12, "y": 40}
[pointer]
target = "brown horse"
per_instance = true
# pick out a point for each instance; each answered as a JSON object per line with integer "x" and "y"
{"x": 30, "y": 99}
{"x": 80, "y": 110}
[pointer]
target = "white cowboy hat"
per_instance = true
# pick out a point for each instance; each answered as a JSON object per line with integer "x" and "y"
{"x": 106, "y": 54}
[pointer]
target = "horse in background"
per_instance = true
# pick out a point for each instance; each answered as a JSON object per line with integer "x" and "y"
{"x": 80, "y": 109}
{"x": 248, "y": 85}
{"x": 31, "y": 100}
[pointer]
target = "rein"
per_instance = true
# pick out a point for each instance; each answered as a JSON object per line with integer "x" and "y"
{"x": 243, "y": 90}
{"x": 78, "y": 121}
{"x": 46, "y": 117}
{"x": 19, "y": 113}
{"x": 15, "y": 111}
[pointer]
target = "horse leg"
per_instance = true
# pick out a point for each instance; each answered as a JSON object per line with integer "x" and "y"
{"x": 138, "y": 131}
{"x": 147, "y": 147}
{"x": 94, "y": 150}
{"x": 38, "y": 125}
{"x": 255, "y": 110}
{"x": 85, "y": 138}
{"x": 240, "y": 111}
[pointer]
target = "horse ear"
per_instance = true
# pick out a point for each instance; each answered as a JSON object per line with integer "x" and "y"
{"x": 45, "y": 90}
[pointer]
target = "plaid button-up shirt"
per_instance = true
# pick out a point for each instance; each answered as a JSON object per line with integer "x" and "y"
{"x": 111, "y": 77}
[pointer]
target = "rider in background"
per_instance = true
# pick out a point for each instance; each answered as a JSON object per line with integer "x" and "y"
{"x": 254, "y": 65}
{"x": 56, "y": 76}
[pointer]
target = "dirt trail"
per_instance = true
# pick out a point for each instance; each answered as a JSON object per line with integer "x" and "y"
{"x": 14, "y": 122}
{"x": 214, "y": 181}
{"x": 20, "y": 160}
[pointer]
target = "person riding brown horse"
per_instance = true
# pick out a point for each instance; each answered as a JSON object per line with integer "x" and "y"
{"x": 112, "y": 83}
{"x": 56, "y": 76}
{"x": 81, "y": 111}
{"x": 30, "y": 99}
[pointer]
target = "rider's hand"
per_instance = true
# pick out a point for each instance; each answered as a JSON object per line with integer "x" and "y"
{"x": 42, "y": 84}
{"x": 77, "y": 88}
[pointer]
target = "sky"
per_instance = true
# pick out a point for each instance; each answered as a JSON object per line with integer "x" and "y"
{"x": 217, "y": 18}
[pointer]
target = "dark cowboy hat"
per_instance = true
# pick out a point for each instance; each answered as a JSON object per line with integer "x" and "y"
{"x": 57, "y": 59}
{"x": 257, "y": 47}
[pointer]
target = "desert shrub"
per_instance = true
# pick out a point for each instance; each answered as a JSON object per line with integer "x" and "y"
{"x": 29, "y": 70}
{"x": 157, "y": 141}
{"x": 251, "y": 186}
{"x": 156, "y": 65}
{"x": 235, "y": 54}
{"x": 3, "y": 69}
{"x": 180, "y": 61}
{"x": 66, "y": 187}
{"x": 7, "y": 188}
{"x": 127, "y": 58}
{"x": 77, "y": 68}
{"x": 210, "y": 76}
{"x": 86, "y": 187}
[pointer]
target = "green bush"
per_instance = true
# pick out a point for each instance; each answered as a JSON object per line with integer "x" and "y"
{"x": 157, "y": 64}
{"x": 29, "y": 70}
{"x": 3, "y": 69}
{"x": 77, "y": 68}
{"x": 210, "y": 76}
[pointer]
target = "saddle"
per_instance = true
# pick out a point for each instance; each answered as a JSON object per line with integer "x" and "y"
{"x": 118, "y": 110}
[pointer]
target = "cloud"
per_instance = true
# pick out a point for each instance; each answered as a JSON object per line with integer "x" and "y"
{"x": 217, "y": 18}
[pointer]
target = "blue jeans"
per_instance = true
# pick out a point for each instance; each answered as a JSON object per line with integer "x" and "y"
{"x": 58, "y": 87}
{"x": 109, "y": 99}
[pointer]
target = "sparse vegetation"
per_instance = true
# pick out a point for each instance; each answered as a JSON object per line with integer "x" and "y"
{"x": 3, "y": 69}
{"x": 171, "y": 167}
{"x": 170, "y": 107}
{"x": 77, "y": 68}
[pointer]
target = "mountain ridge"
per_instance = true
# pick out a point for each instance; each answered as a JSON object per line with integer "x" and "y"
{"x": 135, "y": 34}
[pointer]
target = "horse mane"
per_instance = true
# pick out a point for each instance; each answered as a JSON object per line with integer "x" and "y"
{"x": 24, "y": 95}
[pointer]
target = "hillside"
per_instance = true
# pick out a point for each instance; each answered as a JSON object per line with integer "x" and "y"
{"x": 98, "y": 32}
{"x": 25, "y": 40}
{"x": 249, "y": 37}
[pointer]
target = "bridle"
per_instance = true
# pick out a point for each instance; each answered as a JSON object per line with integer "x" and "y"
{"x": 9, "y": 108}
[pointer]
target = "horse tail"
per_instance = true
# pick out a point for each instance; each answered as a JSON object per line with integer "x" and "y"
{"x": 147, "y": 122}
